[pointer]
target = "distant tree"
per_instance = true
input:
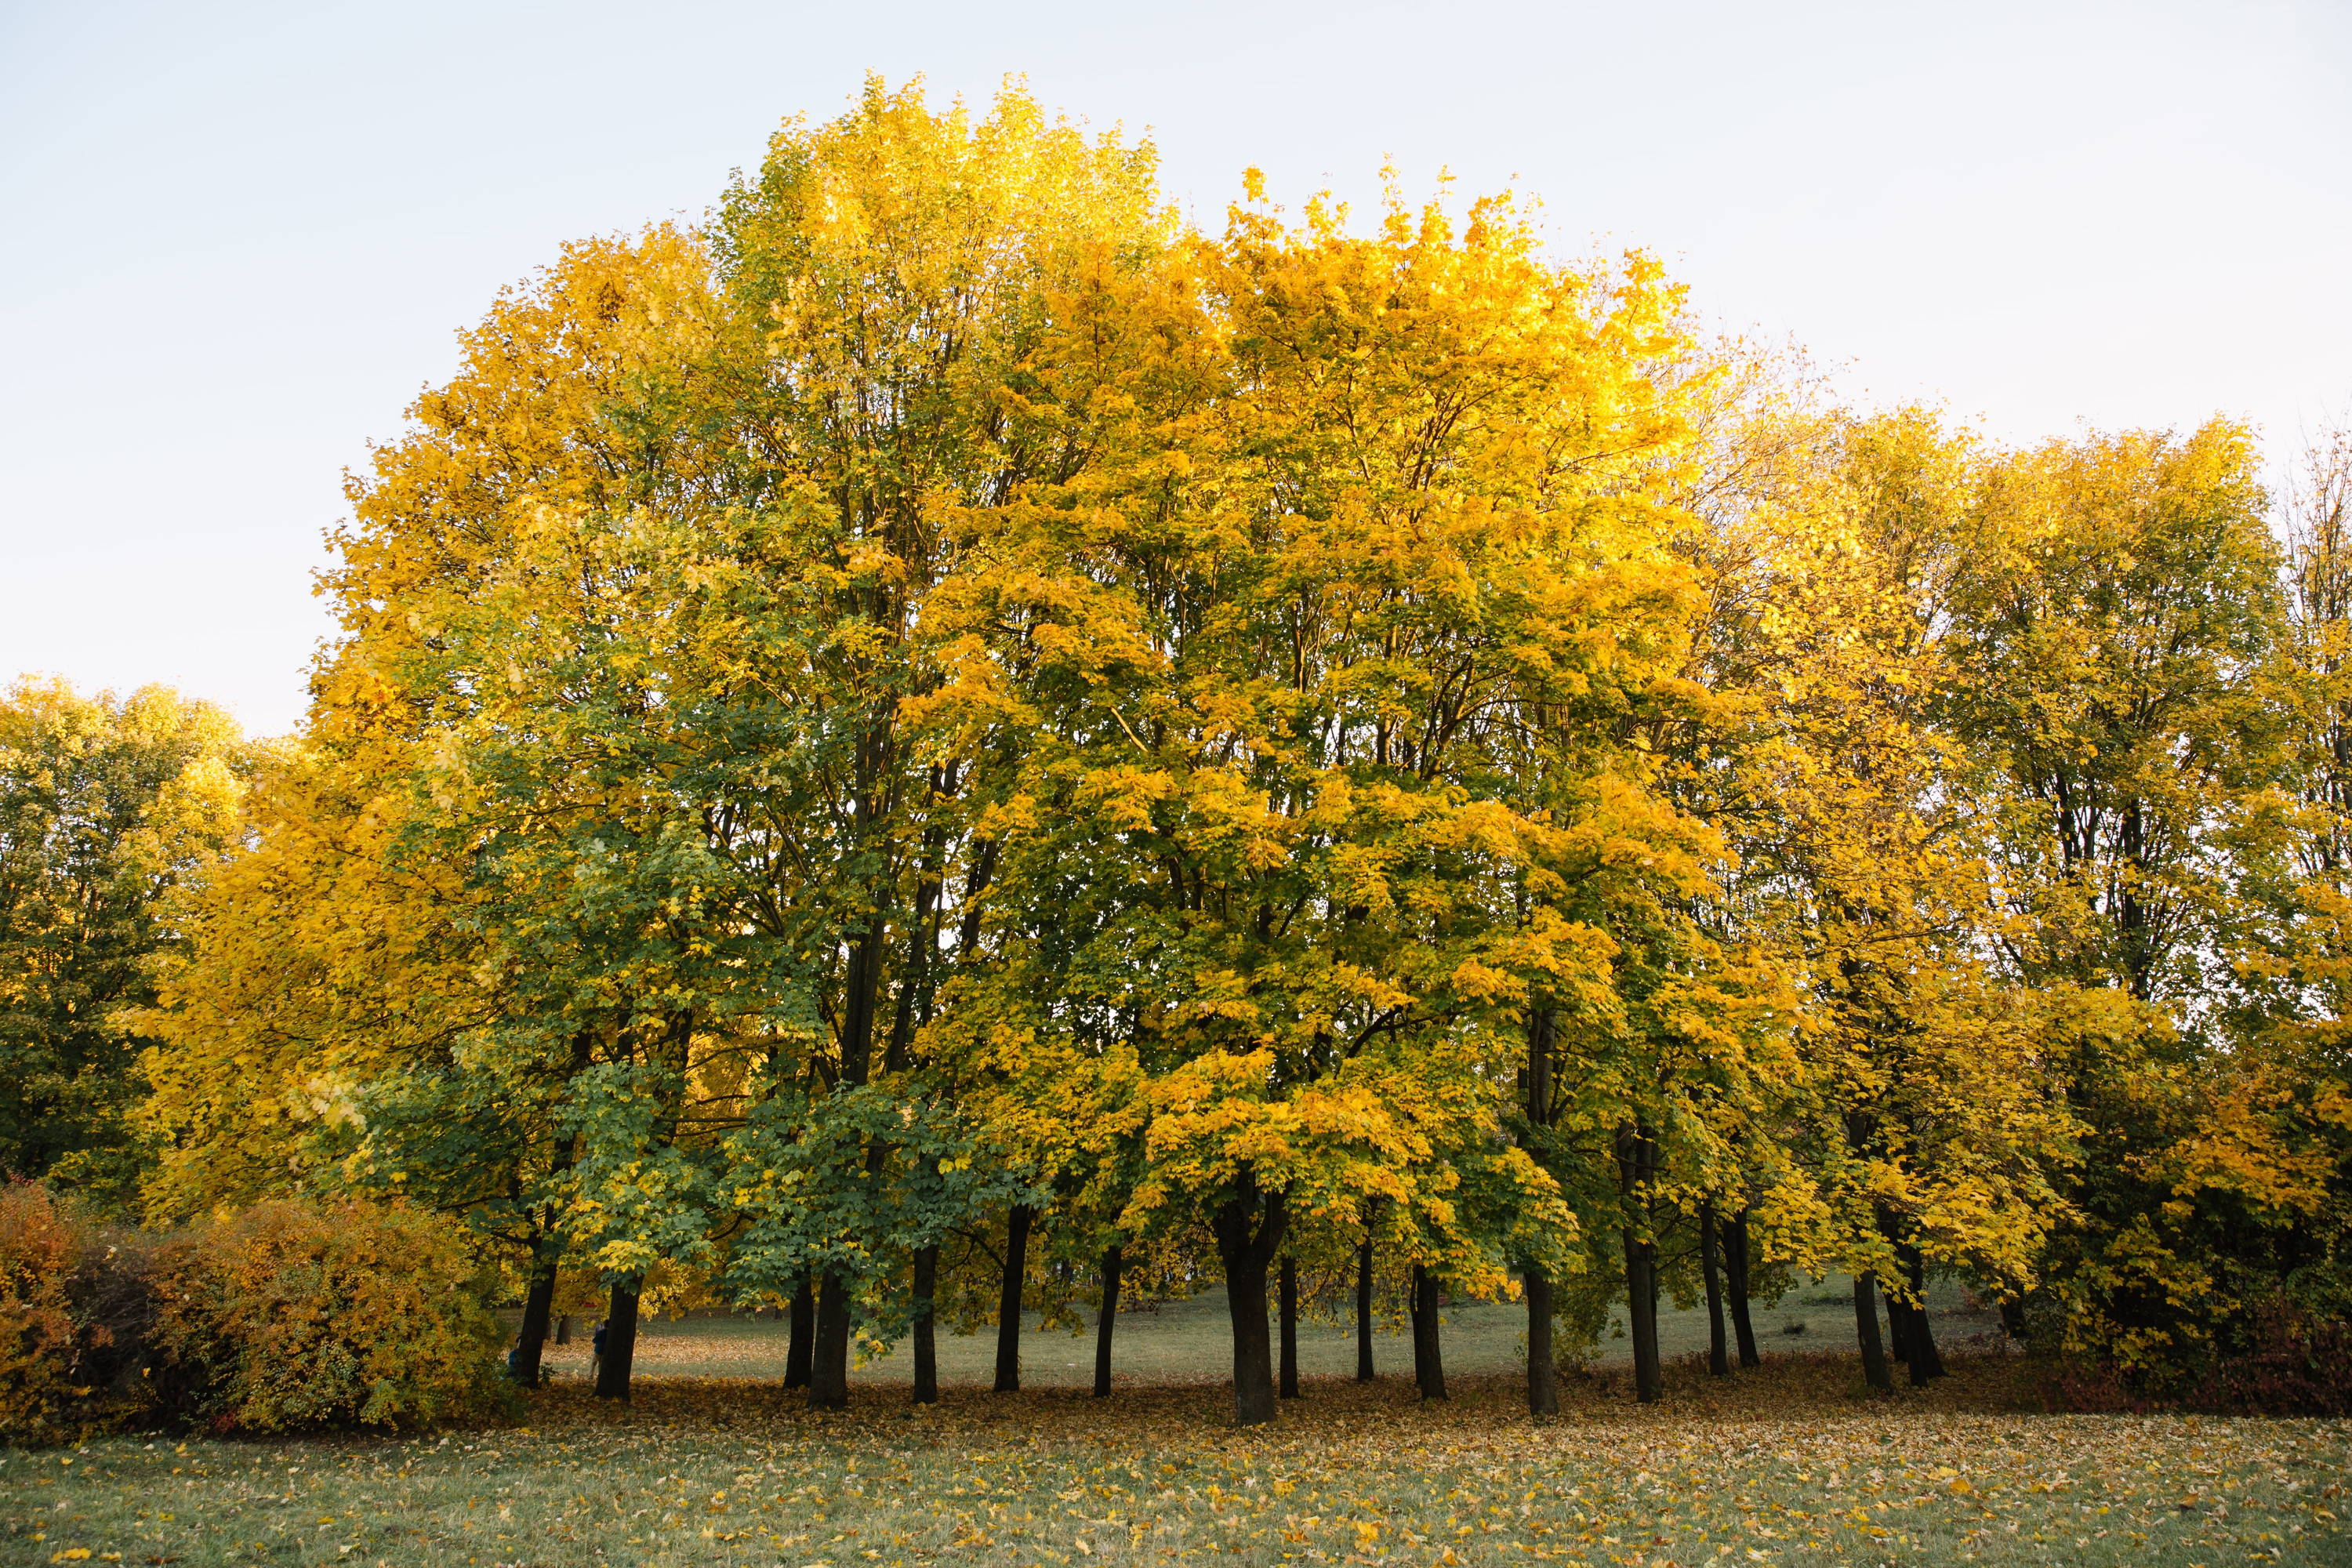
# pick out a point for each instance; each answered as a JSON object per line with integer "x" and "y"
{"x": 106, "y": 804}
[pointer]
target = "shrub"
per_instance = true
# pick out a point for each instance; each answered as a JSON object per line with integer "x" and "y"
{"x": 292, "y": 1316}
{"x": 40, "y": 1343}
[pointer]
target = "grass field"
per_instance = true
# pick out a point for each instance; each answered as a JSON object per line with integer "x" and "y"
{"x": 1790, "y": 1464}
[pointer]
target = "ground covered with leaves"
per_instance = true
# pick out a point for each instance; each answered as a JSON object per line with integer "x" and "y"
{"x": 1788, "y": 1466}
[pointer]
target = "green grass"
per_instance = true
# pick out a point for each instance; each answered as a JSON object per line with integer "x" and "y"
{"x": 1789, "y": 1465}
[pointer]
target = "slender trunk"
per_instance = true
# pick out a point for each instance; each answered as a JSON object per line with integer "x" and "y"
{"x": 829, "y": 1370}
{"x": 1899, "y": 1329}
{"x": 1636, "y": 1164}
{"x": 1926, "y": 1361}
{"x": 861, "y": 1002}
{"x": 1735, "y": 1262}
{"x": 1113, "y": 1259}
{"x": 1718, "y": 1354}
{"x": 1428, "y": 1346}
{"x": 538, "y": 1304}
{"x": 1642, "y": 1312}
{"x": 1287, "y": 1292}
{"x": 926, "y": 1346}
{"x": 1875, "y": 1369}
{"x": 1249, "y": 1228}
{"x": 563, "y": 1329}
{"x": 1543, "y": 1371}
{"x": 1364, "y": 1312}
{"x": 801, "y": 1345}
{"x": 620, "y": 1341}
{"x": 1008, "y": 1301}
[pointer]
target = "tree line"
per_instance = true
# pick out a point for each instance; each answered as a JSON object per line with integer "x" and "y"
{"x": 949, "y": 739}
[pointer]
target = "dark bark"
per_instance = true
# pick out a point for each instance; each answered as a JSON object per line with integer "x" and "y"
{"x": 563, "y": 1329}
{"x": 1899, "y": 1329}
{"x": 538, "y": 1305}
{"x": 2012, "y": 1318}
{"x": 1249, "y": 1228}
{"x": 861, "y": 1003}
{"x": 1364, "y": 1312}
{"x": 800, "y": 1347}
{"x": 1113, "y": 1259}
{"x": 926, "y": 1344}
{"x": 1008, "y": 1299}
{"x": 1428, "y": 1345}
{"x": 1543, "y": 1370}
{"x": 1718, "y": 1354}
{"x": 829, "y": 1368}
{"x": 1288, "y": 1293}
{"x": 620, "y": 1341}
{"x": 1875, "y": 1369}
{"x": 1637, "y": 1155}
{"x": 1736, "y": 1264}
{"x": 1919, "y": 1337}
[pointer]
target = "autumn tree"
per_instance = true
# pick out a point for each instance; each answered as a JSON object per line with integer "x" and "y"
{"x": 107, "y": 804}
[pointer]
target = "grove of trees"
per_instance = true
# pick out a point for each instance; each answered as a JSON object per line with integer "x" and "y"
{"x": 950, "y": 740}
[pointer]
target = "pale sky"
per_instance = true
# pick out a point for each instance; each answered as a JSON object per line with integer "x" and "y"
{"x": 236, "y": 240}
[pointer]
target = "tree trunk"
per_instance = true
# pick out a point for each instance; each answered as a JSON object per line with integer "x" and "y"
{"x": 829, "y": 1369}
{"x": 1735, "y": 1259}
{"x": 620, "y": 1341}
{"x": 1718, "y": 1354}
{"x": 1008, "y": 1299}
{"x": 1113, "y": 1259}
{"x": 926, "y": 1344}
{"x": 1543, "y": 1371}
{"x": 1428, "y": 1346}
{"x": 1364, "y": 1312}
{"x": 1249, "y": 1228}
{"x": 861, "y": 1002}
{"x": 1927, "y": 1361}
{"x": 563, "y": 1329}
{"x": 1899, "y": 1329}
{"x": 800, "y": 1347}
{"x": 538, "y": 1303}
{"x": 1288, "y": 1293}
{"x": 2012, "y": 1317}
{"x": 1641, "y": 1314}
{"x": 1637, "y": 1155}
{"x": 1875, "y": 1369}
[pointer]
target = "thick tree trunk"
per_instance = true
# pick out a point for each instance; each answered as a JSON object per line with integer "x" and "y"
{"x": 2012, "y": 1318}
{"x": 800, "y": 1350}
{"x": 1364, "y": 1312}
{"x": 1926, "y": 1361}
{"x": 1543, "y": 1371}
{"x": 563, "y": 1329}
{"x": 1428, "y": 1345}
{"x": 1718, "y": 1354}
{"x": 1287, "y": 1294}
{"x": 1113, "y": 1259}
{"x": 1008, "y": 1299}
{"x": 1898, "y": 1330}
{"x": 538, "y": 1305}
{"x": 620, "y": 1341}
{"x": 1734, "y": 1260}
{"x": 926, "y": 1344}
{"x": 1249, "y": 1228}
{"x": 1875, "y": 1369}
{"x": 829, "y": 1371}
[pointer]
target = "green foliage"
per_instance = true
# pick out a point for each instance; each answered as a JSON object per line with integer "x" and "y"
{"x": 106, "y": 803}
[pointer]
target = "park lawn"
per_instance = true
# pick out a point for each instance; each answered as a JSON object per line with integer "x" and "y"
{"x": 1790, "y": 1465}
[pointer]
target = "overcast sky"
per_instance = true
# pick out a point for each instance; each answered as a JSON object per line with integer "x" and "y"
{"x": 236, "y": 240}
